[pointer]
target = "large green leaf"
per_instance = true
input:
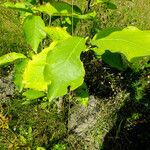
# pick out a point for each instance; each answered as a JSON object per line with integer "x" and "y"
{"x": 63, "y": 9}
{"x": 115, "y": 60}
{"x": 57, "y": 33}
{"x": 10, "y": 57}
{"x": 33, "y": 77}
{"x": 64, "y": 68}
{"x": 105, "y": 32}
{"x": 131, "y": 42}
{"x": 33, "y": 28}
{"x": 58, "y": 8}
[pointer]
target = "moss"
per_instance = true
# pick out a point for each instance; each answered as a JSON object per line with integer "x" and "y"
{"x": 30, "y": 126}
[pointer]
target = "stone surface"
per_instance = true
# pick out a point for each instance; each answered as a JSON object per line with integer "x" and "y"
{"x": 89, "y": 124}
{"x": 7, "y": 88}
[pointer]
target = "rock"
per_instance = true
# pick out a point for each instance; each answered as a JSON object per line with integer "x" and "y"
{"x": 7, "y": 88}
{"x": 87, "y": 125}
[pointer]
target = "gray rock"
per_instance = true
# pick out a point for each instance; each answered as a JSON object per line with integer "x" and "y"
{"x": 7, "y": 88}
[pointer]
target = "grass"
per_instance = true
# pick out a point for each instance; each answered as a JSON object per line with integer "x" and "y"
{"x": 134, "y": 12}
{"x": 11, "y": 39}
{"x": 128, "y": 13}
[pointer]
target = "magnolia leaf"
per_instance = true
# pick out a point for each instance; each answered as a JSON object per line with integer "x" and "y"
{"x": 47, "y": 8}
{"x": 10, "y": 57}
{"x": 58, "y": 8}
{"x": 63, "y": 9}
{"x": 64, "y": 68}
{"x": 131, "y": 42}
{"x": 115, "y": 60}
{"x": 18, "y": 73}
{"x": 105, "y": 32}
{"x": 57, "y": 33}
{"x": 33, "y": 77}
{"x": 33, "y": 94}
{"x": 33, "y": 28}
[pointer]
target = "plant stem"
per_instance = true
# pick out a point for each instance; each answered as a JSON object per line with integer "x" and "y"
{"x": 41, "y": 2}
{"x": 72, "y": 16}
{"x": 88, "y": 6}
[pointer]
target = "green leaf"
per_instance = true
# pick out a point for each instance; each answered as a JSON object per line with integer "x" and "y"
{"x": 99, "y": 2}
{"x": 81, "y": 93}
{"x": 90, "y": 15}
{"x": 10, "y": 57}
{"x": 33, "y": 77}
{"x": 63, "y": 9}
{"x": 33, "y": 94}
{"x": 18, "y": 73}
{"x": 105, "y": 32}
{"x": 33, "y": 2}
{"x": 115, "y": 60}
{"x": 58, "y": 8}
{"x": 131, "y": 42}
{"x": 47, "y": 8}
{"x": 57, "y": 33}
{"x": 110, "y": 5}
{"x": 64, "y": 68}
{"x": 33, "y": 28}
